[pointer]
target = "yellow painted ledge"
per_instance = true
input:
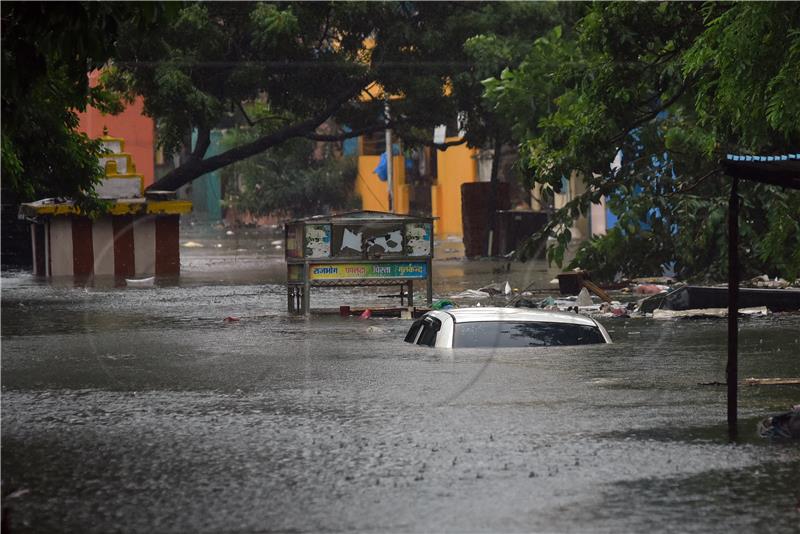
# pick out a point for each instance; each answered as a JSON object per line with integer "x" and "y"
{"x": 120, "y": 207}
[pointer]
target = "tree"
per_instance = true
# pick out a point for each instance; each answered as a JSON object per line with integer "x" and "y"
{"x": 48, "y": 50}
{"x": 312, "y": 62}
{"x": 288, "y": 180}
{"x": 673, "y": 86}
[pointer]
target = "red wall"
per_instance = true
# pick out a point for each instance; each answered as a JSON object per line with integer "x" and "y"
{"x": 132, "y": 125}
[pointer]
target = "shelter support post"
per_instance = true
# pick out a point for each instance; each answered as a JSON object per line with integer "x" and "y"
{"x": 410, "y": 293}
{"x": 306, "y": 290}
{"x": 733, "y": 307}
{"x": 429, "y": 291}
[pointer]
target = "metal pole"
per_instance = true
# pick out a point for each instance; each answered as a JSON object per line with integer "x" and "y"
{"x": 389, "y": 162}
{"x": 732, "y": 370}
{"x": 306, "y": 289}
{"x": 498, "y": 145}
{"x": 429, "y": 288}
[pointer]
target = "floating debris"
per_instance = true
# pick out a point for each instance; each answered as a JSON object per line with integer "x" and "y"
{"x": 707, "y": 312}
{"x": 781, "y": 426}
{"x": 140, "y": 282}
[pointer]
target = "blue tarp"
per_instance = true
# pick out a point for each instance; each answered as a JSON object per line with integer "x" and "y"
{"x": 381, "y": 170}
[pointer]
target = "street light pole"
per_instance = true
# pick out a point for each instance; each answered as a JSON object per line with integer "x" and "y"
{"x": 389, "y": 162}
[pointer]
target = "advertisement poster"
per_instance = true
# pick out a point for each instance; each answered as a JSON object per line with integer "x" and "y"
{"x": 318, "y": 241}
{"x": 418, "y": 239}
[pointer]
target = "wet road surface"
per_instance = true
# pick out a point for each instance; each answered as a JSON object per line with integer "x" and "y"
{"x": 140, "y": 410}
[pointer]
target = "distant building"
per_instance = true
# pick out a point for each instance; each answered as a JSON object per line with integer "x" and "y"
{"x": 599, "y": 220}
{"x": 132, "y": 125}
{"x": 425, "y": 181}
{"x": 205, "y": 192}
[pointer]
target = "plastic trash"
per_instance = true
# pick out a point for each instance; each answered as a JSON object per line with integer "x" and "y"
{"x": 547, "y": 301}
{"x": 496, "y": 289}
{"x": 471, "y": 294}
{"x": 443, "y": 304}
{"x": 650, "y": 289}
{"x": 366, "y": 314}
{"x": 584, "y": 298}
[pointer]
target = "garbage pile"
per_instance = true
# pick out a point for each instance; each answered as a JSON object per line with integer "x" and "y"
{"x": 657, "y": 298}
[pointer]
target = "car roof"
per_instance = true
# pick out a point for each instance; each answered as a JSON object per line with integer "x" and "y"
{"x": 473, "y": 315}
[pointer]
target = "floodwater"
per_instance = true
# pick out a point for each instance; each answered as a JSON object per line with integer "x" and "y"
{"x": 141, "y": 410}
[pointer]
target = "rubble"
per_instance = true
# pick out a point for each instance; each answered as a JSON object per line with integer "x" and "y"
{"x": 471, "y": 294}
{"x": 765, "y": 282}
{"x": 707, "y": 312}
{"x": 663, "y": 298}
{"x": 497, "y": 289}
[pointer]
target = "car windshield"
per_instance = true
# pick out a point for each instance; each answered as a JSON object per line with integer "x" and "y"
{"x": 524, "y": 334}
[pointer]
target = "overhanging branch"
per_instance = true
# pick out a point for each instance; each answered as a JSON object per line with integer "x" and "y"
{"x": 332, "y": 138}
{"x": 652, "y": 115}
{"x": 195, "y": 168}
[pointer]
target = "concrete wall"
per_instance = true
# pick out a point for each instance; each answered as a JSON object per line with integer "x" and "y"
{"x": 123, "y": 246}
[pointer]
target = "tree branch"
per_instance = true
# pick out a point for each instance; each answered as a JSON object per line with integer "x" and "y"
{"x": 332, "y": 138}
{"x": 251, "y": 122}
{"x": 244, "y": 114}
{"x": 202, "y": 144}
{"x": 324, "y": 35}
{"x": 650, "y": 116}
{"x": 446, "y": 144}
{"x": 195, "y": 168}
{"x": 686, "y": 188}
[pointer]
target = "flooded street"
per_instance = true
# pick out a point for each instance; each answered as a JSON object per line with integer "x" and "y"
{"x": 142, "y": 410}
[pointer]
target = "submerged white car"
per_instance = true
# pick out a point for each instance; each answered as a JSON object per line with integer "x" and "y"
{"x": 504, "y": 327}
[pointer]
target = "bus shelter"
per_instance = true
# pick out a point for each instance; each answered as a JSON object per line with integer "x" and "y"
{"x": 359, "y": 248}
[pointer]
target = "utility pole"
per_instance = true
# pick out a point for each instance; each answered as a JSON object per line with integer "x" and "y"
{"x": 389, "y": 162}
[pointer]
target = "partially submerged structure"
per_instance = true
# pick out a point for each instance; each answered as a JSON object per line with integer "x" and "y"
{"x": 136, "y": 235}
{"x": 783, "y": 171}
{"x": 700, "y": 297}
{"x": 359, "y": 248}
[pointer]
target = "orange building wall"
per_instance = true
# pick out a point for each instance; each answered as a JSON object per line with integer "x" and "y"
{"x": 456, "y": 165}
{"x": 374, "y": 193}
{"x": 132, "y": 125}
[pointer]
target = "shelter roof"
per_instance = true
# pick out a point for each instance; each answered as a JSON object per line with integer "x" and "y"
{"x": 782, "y": 170}
{"x": 363, "y": 216}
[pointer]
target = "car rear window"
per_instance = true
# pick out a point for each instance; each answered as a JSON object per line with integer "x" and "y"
{"x": 430, "y": 328}
{"x": 524, "y": 334}
{"x": 426, "y": 328}
{"x": 411, "y": 336}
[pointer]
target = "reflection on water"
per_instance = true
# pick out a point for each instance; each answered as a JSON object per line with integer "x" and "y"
{"x": 142, "y": 410}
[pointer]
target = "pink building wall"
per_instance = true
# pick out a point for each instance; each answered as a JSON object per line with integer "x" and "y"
{"x": 132, "y": 125}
